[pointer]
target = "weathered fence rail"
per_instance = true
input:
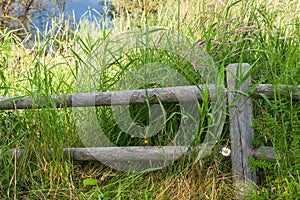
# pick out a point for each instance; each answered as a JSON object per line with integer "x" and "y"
{"x": 154, "y": 152}
{"x": 165, "y": 95}
{"x": 240, "y": 109}
{"x": 152, "y": 95}
{"x": 132, "y": 153}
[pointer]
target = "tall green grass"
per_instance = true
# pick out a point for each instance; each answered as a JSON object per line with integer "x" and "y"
{"x": 263, "y": 33}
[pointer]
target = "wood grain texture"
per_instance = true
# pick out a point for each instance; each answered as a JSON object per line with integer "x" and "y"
{"x": 269, "y": 154}
{"x": 153, "y": 95}
{"x": 165, "y": 95}
{"x": 241, "y": 131}
{"x": 136, "y": 153}
{"x": 119, "y": 154}
{"x": 263, "y": 153}
{"x": 270, "y": 91}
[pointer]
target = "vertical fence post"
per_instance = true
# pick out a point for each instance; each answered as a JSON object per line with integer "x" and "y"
{"x": 241, "y": 131}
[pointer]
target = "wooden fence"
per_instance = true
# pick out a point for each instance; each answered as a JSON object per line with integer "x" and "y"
{"x": 240, "y": 110}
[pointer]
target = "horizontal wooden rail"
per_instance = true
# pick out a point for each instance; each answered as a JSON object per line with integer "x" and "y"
{"x": 153, "y": 95}
{"x": 270, "y": 91}
{"x": 268, "y": 153}
{"x": 135, "y": 153}
{"x": 264, "y": 153}
{"x": 129, "y": 153}
{"x": 165, "y": 95}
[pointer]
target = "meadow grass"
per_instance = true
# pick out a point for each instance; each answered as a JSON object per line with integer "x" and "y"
{"x": 263, "y": 33}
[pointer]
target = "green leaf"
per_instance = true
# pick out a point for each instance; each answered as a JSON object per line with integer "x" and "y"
{"x": 90, "y": 181}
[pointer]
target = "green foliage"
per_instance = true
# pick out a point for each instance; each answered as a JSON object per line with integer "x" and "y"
{"x": 277, "y": 125}
{"x": 89, "y": 182}
{"x": 264, "y": 34}
{"x": 7, "y": 43}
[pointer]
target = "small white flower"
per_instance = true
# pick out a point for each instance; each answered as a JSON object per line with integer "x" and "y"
{"x": 225, "y": 151}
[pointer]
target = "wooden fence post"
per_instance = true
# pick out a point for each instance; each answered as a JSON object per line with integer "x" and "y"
{"x": 241, "y": 131}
